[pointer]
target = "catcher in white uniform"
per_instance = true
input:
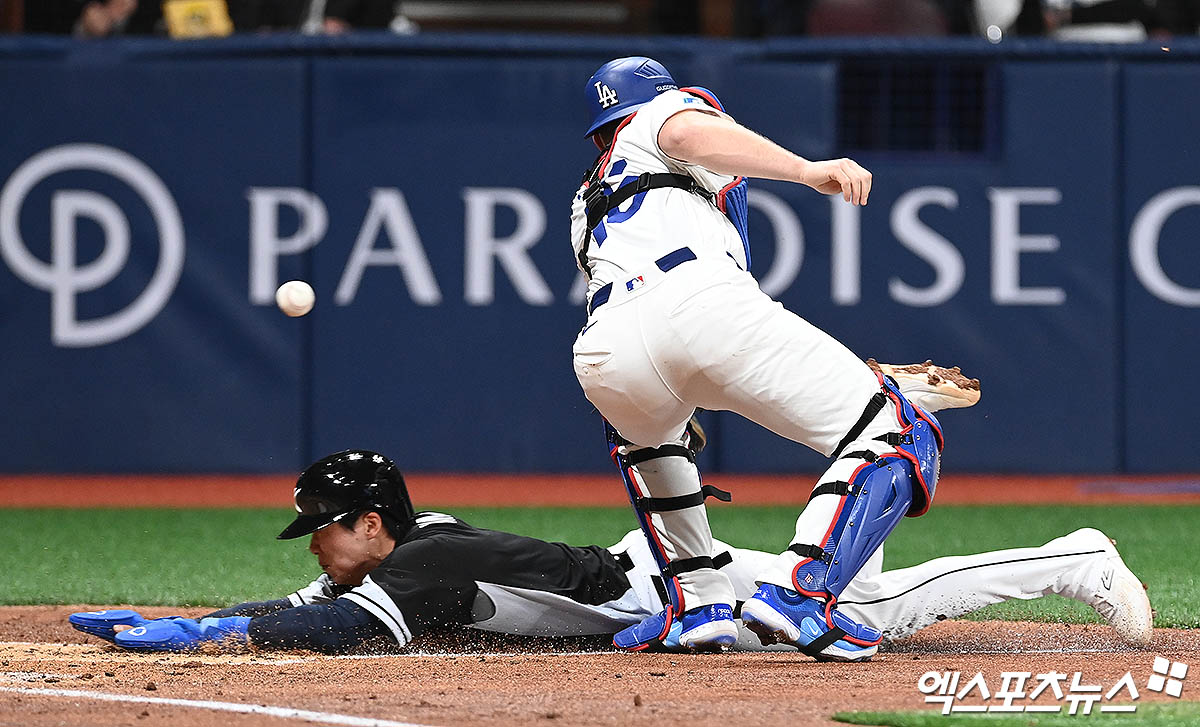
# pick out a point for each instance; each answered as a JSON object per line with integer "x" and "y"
{"x": 1083, "y": 565}
{"x": 676, "y": 322}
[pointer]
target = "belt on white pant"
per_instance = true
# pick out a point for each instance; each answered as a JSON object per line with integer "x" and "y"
{"x": 667, "y": 262}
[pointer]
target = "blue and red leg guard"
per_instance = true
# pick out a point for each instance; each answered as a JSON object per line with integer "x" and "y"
{"x": 615, "y": 442}
{"x": 882, "y": 490}
{"x": 872, "y": 504}
{"x": 876, "y": 496}
{"x": 673, "y": 474}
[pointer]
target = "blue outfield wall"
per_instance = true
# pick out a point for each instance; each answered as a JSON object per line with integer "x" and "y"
{"x": 154, "y": 194}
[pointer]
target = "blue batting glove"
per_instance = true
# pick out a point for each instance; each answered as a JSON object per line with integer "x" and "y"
{"x": 101, "y": 623}
{"x": 185, "y": 634}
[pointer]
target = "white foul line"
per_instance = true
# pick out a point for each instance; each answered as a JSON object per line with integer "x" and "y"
{"x": 283, "y": 712}
{"x": 264, "y": 659}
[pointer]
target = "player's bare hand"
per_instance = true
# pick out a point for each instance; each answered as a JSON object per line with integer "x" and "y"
{"x": 839, "y": 176}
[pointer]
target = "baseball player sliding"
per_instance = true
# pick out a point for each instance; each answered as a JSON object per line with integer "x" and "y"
{"x": 390, "y": 574}
{"x": 676, "y": 322}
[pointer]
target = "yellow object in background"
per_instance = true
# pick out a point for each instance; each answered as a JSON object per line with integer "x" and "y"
{"x": 197, "y": 18}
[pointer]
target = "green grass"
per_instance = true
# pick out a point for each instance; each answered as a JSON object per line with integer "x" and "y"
{"x": 218, "y": 557}
{"x": 1159, "y": 714}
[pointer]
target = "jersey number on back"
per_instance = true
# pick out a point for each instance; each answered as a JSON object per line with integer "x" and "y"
{"x": 618, "y": 168}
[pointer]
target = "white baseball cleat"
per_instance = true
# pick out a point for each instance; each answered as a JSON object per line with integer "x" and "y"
{"x": 1114, "y": 591}
{"x": 930, "y": 386}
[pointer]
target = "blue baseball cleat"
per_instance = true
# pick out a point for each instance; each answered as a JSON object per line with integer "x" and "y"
{"x": 156, "y": 636}
{"x": 659, "y": 632}
{"x": 782, "y": 616}
{"x": 101, "y": 623}
{"x": 708, "y": 628}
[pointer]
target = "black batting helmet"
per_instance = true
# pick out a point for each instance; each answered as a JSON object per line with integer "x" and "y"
{"x": 350, "y": 481}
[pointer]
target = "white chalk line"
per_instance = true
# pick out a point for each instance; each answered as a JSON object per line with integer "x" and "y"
{"x": 32, "y": 676}
{"x": 282, "y": 712}
{"x": 429, "y": 654}
{"x": 264, "y": 659}
{"x": 1002, "y": 652}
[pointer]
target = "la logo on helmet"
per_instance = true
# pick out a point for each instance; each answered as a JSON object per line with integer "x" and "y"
{"x": 608, "y": 97}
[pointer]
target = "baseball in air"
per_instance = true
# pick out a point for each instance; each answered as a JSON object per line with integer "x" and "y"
{"x": 295, "y": 298}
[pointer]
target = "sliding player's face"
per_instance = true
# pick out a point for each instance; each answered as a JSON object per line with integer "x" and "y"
{"x": 344, "y": 554}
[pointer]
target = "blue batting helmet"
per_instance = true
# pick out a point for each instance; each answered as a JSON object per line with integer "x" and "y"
{"x": 622, "y": 86}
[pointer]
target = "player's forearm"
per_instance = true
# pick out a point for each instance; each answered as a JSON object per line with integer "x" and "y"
{"x": 251, "y": 609}
{"x": 338, "y": 626}
{"x": 721, "y": 145}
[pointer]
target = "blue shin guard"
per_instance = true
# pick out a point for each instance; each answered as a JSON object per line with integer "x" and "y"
{"x": 882, "y": 491}
{"x": 878, "y": 494}
{"x": 875, "y": 500}
{"x": 670, "y": 470}
{"x": 631, "y": 490}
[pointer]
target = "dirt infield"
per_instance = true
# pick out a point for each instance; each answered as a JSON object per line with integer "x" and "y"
{"x": 63, "y": 676}
{"x": 536, "y": 490}
{"x": 53, "y": 675}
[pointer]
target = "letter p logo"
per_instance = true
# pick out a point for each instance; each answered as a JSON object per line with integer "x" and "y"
{"x": 63, "y": 277}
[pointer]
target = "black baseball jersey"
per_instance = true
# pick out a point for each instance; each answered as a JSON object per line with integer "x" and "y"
{"x": 444, "y": 572}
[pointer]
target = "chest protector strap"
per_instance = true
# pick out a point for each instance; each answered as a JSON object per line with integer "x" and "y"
{"x": 600, "y": 204}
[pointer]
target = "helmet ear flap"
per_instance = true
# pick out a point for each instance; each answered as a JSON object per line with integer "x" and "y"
{"x": 393, "y": 496}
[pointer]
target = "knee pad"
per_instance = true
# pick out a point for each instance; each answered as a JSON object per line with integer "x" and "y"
{"x": 919, "y": 441}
